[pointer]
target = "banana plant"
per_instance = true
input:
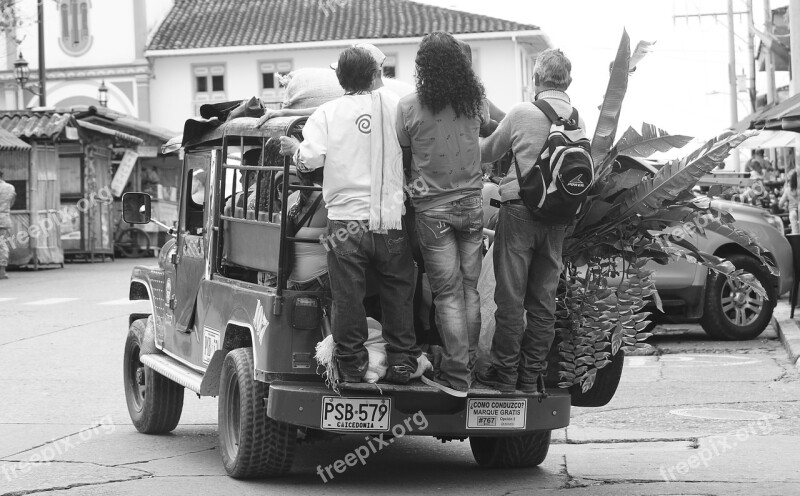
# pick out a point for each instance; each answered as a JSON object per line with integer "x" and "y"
{"x": 630, "y": 218}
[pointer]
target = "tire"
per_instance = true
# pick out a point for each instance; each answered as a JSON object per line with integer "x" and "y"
{"x": 527, "y": 450}
{"x": 252, "y": 444}
{"x": 133, "y": 243}
{"x": 733, "y": 312}
{"x": 154, "y": 402}
{"x": 605, "y": 384}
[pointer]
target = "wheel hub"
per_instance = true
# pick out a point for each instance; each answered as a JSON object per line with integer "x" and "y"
{"x": 739, "y": 298}
{"x": 140, "y": 376}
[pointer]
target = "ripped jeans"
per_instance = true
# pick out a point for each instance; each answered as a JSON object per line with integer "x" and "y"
{"x": 450, "y": 238}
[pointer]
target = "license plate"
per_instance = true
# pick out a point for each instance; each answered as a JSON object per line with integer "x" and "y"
{"x": 487, "y": 413}
{"x": 356, "y": 414}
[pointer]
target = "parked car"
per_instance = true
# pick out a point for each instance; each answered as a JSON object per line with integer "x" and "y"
{"x": 726, "y": 310}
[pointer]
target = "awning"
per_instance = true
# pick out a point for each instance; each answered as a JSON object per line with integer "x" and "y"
{"x": 785, "y": 115}
{"x": 771, "y": 139}
{"x": 10, "y": 142}
{"x": 111, "y": 132}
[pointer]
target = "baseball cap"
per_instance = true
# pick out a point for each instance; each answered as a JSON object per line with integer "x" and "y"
{"x": 376, "y": 53}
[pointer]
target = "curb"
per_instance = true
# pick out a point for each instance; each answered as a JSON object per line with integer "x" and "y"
{"x": 788, "y": 330}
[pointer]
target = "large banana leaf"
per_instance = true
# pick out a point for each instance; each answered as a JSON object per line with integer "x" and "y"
{"x": 607, "y": 123}
{"x": 674, "y": 178}
{"x": 642, "y": 49}
{"x": 651, "y": 140}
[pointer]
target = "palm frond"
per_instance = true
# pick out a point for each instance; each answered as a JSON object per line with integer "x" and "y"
{"x": 674, "y": 178}
{"x": 651, "y": 140}
{"x": 607, "y": 123}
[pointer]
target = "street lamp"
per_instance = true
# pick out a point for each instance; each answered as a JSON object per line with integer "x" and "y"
{"x": 102, "y": 94}
{"x": 22, "y": 74}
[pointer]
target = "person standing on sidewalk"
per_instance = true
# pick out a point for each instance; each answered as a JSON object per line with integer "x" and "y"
{"x": 7, "y": 197}
{"x": 527, "y": 245}
{"x": 438, "y": 129}
{"x": 353, "y": 137}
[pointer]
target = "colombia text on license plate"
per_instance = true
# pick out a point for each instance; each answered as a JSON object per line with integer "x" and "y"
{"x": 356, "y": 414}
{"x": 488, "y": 413}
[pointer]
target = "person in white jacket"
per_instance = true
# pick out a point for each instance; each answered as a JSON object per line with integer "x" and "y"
{"x": 353, "y": 137}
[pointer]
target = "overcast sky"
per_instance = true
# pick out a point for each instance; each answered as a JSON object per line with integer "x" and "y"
{"x": 682, "y": 86}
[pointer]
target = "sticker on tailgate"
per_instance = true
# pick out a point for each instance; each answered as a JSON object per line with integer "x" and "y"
{"x": 489, "y": 413}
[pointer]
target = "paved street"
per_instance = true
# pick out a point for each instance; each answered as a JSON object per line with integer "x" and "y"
{"x": 697, "y": 417}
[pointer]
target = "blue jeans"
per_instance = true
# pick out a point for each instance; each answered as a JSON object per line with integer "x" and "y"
{"x": 450, "y": 238}
{"x": 527, "y": 265}
{"x": 352, "y": 251}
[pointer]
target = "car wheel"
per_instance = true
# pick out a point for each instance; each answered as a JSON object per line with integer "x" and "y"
{"x": 732, "y": 310}
{"x": 252, "y": 444}
{"x": 527, "y": 450}
{"x": 154, "y": 402}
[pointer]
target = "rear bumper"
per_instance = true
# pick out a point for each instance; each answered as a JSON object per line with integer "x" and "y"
{"x": 301, "y": 404}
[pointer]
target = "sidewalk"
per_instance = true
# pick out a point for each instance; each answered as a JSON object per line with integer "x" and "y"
{"x": 788, "y": 329}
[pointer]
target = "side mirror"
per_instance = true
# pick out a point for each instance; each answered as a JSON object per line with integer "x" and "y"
{"x": 136, "y": 208}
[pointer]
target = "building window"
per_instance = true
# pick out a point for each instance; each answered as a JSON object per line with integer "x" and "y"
{"x": 271, "y": 72}
{"x": 74, "y": 15}
{"x": 209, "y": 84}
{"x": 390, "y": 66}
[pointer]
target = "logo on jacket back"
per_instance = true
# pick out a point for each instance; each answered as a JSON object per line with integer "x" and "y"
{"x": 364, "y": 123}
{"x": 576, "y": 182}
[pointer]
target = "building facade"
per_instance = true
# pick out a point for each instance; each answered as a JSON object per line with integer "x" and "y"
{"x": 218, "y": 50}
{"x": 86, "y": 43}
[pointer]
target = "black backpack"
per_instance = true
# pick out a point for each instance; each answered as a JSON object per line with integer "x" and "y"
{"x": 557, "y": 184}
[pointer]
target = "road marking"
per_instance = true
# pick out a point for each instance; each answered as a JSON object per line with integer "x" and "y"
{"x": 50, "y": 301}
{"x": 120, "y": 301}
{"x": 2, "y": 300}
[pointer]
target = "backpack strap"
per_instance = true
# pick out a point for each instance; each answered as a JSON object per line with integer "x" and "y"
{"x": 310, "y": 212}
{"x": 551, "y": 114}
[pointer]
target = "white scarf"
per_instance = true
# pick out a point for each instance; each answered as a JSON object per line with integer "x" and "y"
{"x": 386, "y": 189}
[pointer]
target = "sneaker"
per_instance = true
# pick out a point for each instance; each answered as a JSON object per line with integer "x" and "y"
{"x": 398, "y": 374}
{"x": 441, "y": 384}
{"x": 490, "y": 378}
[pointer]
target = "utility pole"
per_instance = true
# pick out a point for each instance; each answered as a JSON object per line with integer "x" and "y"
{"x": 42, "y": 81}
{"x": 769, "y": 66}
{"x": 794, "y": 36}
{"x": 732, "y": 77}
{"x": 751, "y": 66}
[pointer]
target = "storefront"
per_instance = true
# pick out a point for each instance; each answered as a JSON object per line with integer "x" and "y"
{"x": 67, "y": 206}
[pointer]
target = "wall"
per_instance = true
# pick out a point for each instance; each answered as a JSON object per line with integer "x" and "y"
{"x": 172, "y": 88}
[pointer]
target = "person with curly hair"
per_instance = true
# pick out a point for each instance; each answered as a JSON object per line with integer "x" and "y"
{"x": 438, "y": 128}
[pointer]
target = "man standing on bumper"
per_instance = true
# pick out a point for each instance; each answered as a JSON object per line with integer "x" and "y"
{"x": 353, "y": 137}
{"x": 438, "y": 128}
{"x": 527, "y": 245}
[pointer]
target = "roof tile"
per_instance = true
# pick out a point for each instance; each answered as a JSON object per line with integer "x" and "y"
{"x": 227, "y": 23}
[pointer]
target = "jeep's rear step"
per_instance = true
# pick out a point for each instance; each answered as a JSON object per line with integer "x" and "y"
{"x": 301, "y": 403}
{"x": 174, "y": 371}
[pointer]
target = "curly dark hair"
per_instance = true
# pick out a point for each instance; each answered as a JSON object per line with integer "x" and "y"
{"x": 445, "y": 77}
{"x": 356, "y": 69}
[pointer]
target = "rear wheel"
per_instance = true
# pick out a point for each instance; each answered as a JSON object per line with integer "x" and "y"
{"x": 527, "y": 450}
{"x": 732, "y": 310}
{"x": 252, "y": 444}
{"x": 154, "y": 402}
{"x": 605, "y": 384}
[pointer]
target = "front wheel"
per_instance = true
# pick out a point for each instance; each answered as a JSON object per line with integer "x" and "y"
{"x": 732, "y": 310}
{"x": 154, "y": 402}
{"x": 252, "y": 444}
{"x": 527, "y": 450}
